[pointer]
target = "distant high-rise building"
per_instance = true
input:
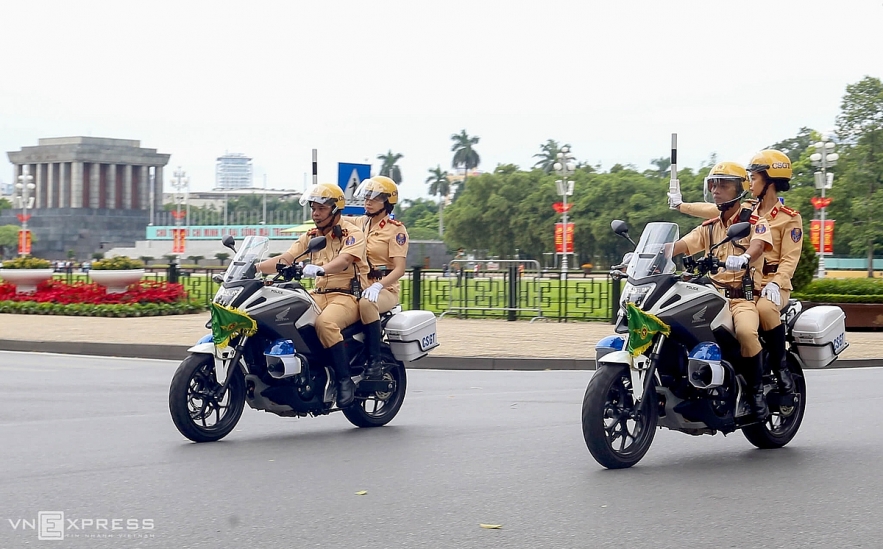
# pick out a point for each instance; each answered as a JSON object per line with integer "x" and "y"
{"x": 233, "y": 171}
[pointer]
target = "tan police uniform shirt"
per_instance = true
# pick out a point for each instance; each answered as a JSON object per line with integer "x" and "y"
{"x": 351, "y": 241}
{"x": 704, "y": 210}
{"x": 786, "y": 226}
{"x": 386, "y": 240}
{"x": 699, "y": 240}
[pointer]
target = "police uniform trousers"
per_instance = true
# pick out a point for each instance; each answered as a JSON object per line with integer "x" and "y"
{"x": 339, "y": 310}
{"x": 770, "y": 313}
{"x": 746, "y": 322}
{"x": 370, "y": 312}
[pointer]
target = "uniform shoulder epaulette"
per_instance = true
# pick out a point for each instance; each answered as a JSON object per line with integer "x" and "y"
{"x": 789, "y": 211}
{"x": 709, "y": 221}
{"x": 396, "y": 222}
{"x": 754, "y": 219}
{"x": 313, "y": 232}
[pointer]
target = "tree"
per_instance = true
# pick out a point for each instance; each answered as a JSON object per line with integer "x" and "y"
{"x": 439, "y": 185}
{"x": 8, "y": 239}
{"x": 860, "y": 126}
{"x": 389, "y": 166}
{"x": 662, "y": 164}
{"x": 465, "y": 155}
{"x": 795, "y": 146}
{"x": 548, "y": 155}
{"x": 5, "y": 204}
{"x": 807, "y": 266}
{"x": 196, "y": 258}
{"x": 222, "y": 257}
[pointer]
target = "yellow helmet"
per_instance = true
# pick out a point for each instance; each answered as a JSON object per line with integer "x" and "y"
{"x": 378, "y": 187}
{"x": 727, "y": 171}
{"x": 325, "y": 193}
{"x": 777, "y": 166}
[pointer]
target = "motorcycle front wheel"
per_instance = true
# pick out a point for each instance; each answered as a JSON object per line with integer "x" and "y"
{"x": 378, "y": 408}
{"x": 617, "y": 433}
{"x": 198, "y": 413}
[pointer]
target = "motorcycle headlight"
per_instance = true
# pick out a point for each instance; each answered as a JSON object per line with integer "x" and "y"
{"x": 636, "y": 294}
{"x": 225, "y": 296}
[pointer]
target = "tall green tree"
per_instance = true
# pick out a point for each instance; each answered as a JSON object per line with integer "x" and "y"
{"x": 439, "y": 185}
{"x": 389, "y": 166}
{"x": 662, "y": 165}
{"x": 548, "y": 155}
{"x": 465, "y": 155}
{"x": 5, "y": 204}
{"x": 860, "y": 127}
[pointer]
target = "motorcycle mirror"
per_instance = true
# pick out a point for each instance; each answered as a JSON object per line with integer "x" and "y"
{"x": 627, "y": 258}
{"x": 229, "y": 242}
{"x": 739, "y": 230}
{"x": 317, "y": 243}
{"x": 620, "y": 228}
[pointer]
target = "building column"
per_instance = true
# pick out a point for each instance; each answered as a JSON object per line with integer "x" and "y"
{"x": 39, "y": 182}
{"x": 50, "y": 184}
{"x": 157, "y": 191}
{"x": 95, "y": 185}
{"x": 76, "y": 186}
{"x": 127, "y": 186}
{"x": 110, "y": 182}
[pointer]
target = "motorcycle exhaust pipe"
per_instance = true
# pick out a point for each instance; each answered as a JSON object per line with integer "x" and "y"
{"x": 280, "y": 367}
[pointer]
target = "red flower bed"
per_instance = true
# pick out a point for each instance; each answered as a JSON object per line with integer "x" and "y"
{"x": 54, "y": 291}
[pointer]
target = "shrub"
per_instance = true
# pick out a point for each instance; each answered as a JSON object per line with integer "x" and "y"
{"x": 118, "y": 263}
{"x": 806, "y": 267}
{"x": 850, "y": 290}
{"x": 27, "y": 262}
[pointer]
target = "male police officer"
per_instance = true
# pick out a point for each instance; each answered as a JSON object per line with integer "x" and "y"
{"x": 726, "y": 184}
{"x": 339, "y": 268}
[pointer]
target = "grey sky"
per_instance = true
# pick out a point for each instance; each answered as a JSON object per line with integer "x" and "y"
{"x": 354, "y": 79}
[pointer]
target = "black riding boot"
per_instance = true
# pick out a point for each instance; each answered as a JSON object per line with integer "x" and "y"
{"x": 346, "y": 390}
{"x": 756, "y": 398}
{"x": 775, "y": 340}
{"x": 373, "y": 367}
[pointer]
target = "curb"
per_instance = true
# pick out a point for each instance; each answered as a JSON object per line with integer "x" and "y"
{"x": 178, "y": 352}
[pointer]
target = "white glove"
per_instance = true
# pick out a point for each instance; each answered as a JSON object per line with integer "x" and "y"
{"x": 771, "y": 292}
{"x": 372, "y": 292}
{"x": 312, "y": 271}
{"x": 675, "y": 200}
{"x": 737, "y": 262}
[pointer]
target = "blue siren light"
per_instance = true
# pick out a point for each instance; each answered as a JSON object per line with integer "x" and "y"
{"x": 611, "y": 342}
{"x": 280, "y": 347}
{"x": 708, "y": 351}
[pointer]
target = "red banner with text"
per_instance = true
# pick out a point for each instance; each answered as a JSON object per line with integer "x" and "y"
{"x": 178, "y": 240}
{"x": 815, "y": 236}
{"x": 24, "y": 242}
{"x": 559, "y": 238}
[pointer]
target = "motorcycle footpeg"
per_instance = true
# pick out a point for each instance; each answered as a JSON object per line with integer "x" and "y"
{"x": 776, "y": 399}
{"x": 376, "y": 386}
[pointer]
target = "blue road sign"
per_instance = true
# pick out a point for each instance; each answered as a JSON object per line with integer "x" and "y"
{"x": 348, "y": 177}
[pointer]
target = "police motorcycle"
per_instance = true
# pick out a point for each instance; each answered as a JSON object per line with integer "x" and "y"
{"x": 687, "y": 381}
{"x": 282, "y": 368}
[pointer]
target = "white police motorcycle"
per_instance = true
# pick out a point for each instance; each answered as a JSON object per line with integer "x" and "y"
{"x": 282, "y": 368}
{"x": 686, "y": 381}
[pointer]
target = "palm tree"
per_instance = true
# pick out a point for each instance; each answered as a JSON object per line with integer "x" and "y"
{"x": 663, "y": 164}
{"x": 389, "y": 166}
{"x": 548, "y": 155}
{"x": 439, "y": 185}
{"x": 464, "y": 155}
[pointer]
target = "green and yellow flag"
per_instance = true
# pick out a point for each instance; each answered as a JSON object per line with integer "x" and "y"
{"x": 642, "y": 327}
{"x": 228, "y": 322}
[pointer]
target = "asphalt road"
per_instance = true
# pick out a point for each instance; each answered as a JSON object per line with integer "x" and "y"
{"x": 92, "y": 437}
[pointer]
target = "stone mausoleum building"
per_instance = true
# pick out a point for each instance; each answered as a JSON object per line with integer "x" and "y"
{"x": 90, "y": 193}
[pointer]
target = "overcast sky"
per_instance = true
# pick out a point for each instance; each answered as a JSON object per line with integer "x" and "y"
{"x": 355, "y": 79}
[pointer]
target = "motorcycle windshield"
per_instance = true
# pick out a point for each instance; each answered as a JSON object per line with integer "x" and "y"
{"x": 653, "y": 254}
{"x": 252, "y": 250}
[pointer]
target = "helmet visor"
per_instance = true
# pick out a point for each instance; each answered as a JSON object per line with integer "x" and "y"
{"x": 366, "y": 191}
{"x": 713, "y": 182}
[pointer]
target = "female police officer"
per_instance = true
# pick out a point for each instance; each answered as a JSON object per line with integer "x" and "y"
{"x": 387, "y": 249}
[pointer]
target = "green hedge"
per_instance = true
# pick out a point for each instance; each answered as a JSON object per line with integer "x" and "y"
{"x": 89, "y": 309}
{"x": 850, "y": 290}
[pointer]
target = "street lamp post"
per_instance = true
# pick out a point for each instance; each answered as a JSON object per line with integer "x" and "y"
{"x": 564, "y": 167}
{"x": 824, "y": 158}
{"x": 25, "y": 201}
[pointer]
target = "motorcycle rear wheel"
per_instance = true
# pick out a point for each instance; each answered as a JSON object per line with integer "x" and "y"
{"x": 377, "y": 409}
{"x": 197, "y": 414}
{"x": 617, "y": 434}
{"x": 782, "y": 425}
